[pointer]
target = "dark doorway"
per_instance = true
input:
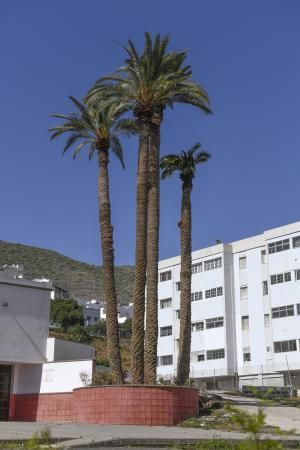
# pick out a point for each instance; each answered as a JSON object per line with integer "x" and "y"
{"x": 5, "y": 380}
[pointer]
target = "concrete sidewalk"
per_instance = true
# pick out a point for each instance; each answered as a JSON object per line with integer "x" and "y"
{"x": 80, "y": 435}
{"x": 285, "y": 417}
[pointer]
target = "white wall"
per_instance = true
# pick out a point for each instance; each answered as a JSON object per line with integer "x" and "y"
{"x": 52, "y": 377}
{"x": 232, "y": 307}
{"x": 24, "y": 321}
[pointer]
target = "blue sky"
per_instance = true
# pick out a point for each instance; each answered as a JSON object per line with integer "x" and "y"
{"x": 245, "y": 53}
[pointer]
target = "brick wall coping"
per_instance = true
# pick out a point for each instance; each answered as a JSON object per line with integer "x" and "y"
{"x": 147, "y": 386}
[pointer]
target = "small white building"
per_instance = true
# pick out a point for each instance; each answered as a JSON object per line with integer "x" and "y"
{"x": 93, "y": 311}
{"x": 30, "y": 361}
{"x": 57, "y": 291}
{"x": 245, "y": 311}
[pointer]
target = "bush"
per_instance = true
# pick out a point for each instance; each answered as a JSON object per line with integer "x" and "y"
{"x": 102, "y": 361}
{"x": 98, "y": 329}
{"x": 80, "y": 334}
{"x": 65, "y": 313}
{"x": 102, "y": 378}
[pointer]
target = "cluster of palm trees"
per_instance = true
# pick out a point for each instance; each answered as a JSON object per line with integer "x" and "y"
{"x": 130, "y": 101}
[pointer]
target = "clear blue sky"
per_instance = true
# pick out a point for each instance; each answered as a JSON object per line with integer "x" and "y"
{"x": 245, "y": 53}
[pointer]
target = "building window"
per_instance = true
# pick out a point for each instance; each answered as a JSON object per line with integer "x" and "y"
{"x": 219, "y": 291}
{"x": 244, "y": 292}
{"x": 267, "y": 320}
{"x": 245, "y": 322}
{"x": 196, "y": 268}
{"x": 213, "y": 264}
{"x": 166, "y": 331}
{"x": 287, "y": 276}
{"x": 279, "y": 246}
{"x": 198, "y": 326}
{"x": 297, "y": 275}
{"x": 165, "y": 276}
{"x": 296, "y": 241}
{"x": 95, "y": 319}
{"x": 215, "y": 322}
{"x": 215, "y": 354}
{"x": 283, "y": 311}
{"x": 201, "y": 357}
{"x": 298, "y": 309}
{"x": 177, "y": 313}
{"x": 178, "y": 286}
{"x": 196, "y": 296}
{"x": 263, "y": 257}
{"x": 243, "y": 262}
{"x": 88, "y": 317}
{"x": 285, "y": 346}
{"x": 166, "y": 360}
{"x": 214, "y": 292}
{"x": 247, "y": 357}
{"x": 166, "y": 303}
{"x": 265, "y": 288}
{"x": 281, "y": 278}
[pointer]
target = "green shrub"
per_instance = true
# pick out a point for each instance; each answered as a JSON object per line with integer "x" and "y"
{"x": 102, "y": 361}
{"x": 80, "y": 334}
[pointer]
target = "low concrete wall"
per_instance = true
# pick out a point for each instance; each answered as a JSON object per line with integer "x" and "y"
{"x": 122, "y": 405}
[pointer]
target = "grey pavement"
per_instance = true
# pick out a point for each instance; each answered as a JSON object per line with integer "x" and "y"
{"x": 79, "y": 435}
{"x": 285, "y": 417}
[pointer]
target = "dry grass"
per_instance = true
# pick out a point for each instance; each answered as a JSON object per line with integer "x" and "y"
{"x": 99, "y": 343}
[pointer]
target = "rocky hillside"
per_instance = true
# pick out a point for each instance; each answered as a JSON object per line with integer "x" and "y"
{"x": 80, "y": 279}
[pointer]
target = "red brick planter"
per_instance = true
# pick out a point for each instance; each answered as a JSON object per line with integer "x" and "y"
{"x": 123, "y": 405}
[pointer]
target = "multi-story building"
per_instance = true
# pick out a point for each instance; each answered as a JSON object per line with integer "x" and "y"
{"x": 245, "y": 311}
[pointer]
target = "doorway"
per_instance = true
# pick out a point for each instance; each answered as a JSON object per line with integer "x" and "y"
{"x": 5, "y": 382}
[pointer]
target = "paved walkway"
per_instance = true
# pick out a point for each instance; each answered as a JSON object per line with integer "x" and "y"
{"x": 285, "y": 417}
{"x": 106, "y": 435}
{"x": 78, "y": 435}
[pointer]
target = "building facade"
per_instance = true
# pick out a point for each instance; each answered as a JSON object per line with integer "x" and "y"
{"x": 31, "y": 363}
{"x": 245, "y": 312}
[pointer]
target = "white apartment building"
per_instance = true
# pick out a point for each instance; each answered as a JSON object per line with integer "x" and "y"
{"x": 245, "y": 312}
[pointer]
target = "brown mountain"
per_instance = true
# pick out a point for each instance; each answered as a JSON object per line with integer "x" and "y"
{"x": 80, "y": 279}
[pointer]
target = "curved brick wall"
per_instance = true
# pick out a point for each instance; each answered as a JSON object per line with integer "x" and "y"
{"x": 126, "y": 405}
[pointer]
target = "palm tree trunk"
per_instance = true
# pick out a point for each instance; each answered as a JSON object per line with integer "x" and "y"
{"x": 113, "y": 347}
{"x": 152, "y": 258}
{"x": 138, "y": 319}
{"x": 183, "y": 365}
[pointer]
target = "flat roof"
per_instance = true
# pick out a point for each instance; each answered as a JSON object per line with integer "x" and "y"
{"x": 25, "y": 283}
{"x": 241, "y": 245}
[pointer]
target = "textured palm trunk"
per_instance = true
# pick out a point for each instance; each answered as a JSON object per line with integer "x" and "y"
{"x": 152, "y": 258}
{"x": 138, "y": 319}
{"x": 183, "y": 365}
{"x": 106, "y": 229}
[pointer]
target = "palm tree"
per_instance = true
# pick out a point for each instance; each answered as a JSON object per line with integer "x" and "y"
{"x": 185, "y": 163}
{"x": 98, "y": 129}
{"x": 147, "y": 84}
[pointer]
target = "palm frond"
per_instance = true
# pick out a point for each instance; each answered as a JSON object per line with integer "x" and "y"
{"x": 71, "y": 140}
{"x": 185, "y": 163}
{"x": 127, "y": 127}
{"x": 78, "y": 148}
{"x": 116, "y": 148}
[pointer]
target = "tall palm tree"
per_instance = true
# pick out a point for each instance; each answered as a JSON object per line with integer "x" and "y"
{"x": 185, "y": 163}
{"x": 147, "y": 84}
{"x": 98, "y": 129}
